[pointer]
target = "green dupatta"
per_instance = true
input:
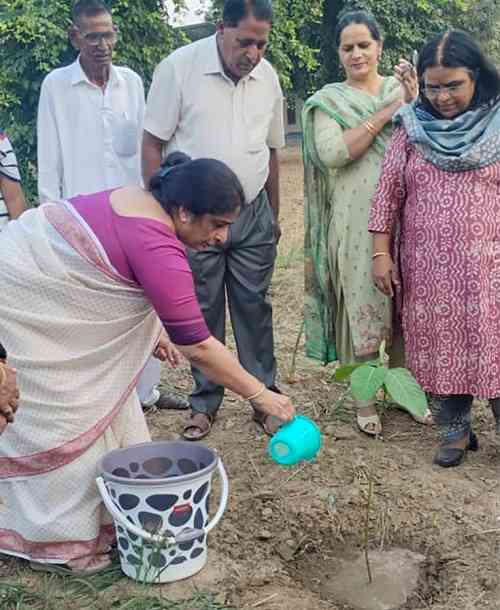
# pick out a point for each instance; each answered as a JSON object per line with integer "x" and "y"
{"x": 349, "y": 107}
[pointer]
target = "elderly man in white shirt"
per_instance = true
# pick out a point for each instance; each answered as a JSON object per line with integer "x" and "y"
{"x": 90, "y": 118}
{"x": 220, "y": 98}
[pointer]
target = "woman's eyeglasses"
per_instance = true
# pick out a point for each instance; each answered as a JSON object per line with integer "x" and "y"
{"x": 94, "y": 39}
{"x": 432, "y": 92}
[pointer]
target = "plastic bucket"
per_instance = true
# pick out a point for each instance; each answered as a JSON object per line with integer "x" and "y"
{"x": 158, "y": 495}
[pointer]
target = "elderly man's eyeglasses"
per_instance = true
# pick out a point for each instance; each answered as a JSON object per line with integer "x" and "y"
{"x": 432, "y": 92}
{"x": 94, "y": 39}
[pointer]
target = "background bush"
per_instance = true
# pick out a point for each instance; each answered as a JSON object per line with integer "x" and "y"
{"x": 34, "y": 40}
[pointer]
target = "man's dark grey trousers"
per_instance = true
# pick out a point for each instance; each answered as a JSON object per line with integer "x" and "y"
{"x": 241, "y": 269}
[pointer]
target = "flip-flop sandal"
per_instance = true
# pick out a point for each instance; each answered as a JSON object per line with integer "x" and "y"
{"x": 198, "y": 421}
{"x": 270, "y": 424}
{"x": 65, "y": 570}
{"x": 365, "y": 421}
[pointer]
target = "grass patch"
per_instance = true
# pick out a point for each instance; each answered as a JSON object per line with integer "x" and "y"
{"x": 14, "y": 596}
{"x": 200, "y": 601}
{"x": 55, "y": 592}
{"x": 102, "y": 591}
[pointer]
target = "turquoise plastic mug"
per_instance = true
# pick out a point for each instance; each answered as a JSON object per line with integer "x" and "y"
{"x": 297, "y": 440}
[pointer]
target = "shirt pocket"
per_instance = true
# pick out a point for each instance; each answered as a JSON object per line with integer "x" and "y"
{"x": 125, "y": 136}
{"x": 257, "y": 115}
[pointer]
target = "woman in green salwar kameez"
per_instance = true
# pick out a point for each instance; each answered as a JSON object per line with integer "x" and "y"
{"x": 346, "y": 128}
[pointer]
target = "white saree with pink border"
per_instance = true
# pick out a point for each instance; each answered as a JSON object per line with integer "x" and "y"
{"x": 79, "y": 335}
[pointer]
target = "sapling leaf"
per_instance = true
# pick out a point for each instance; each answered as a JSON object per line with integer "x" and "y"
{"x": 343, "y": 372}
{"x": 366, "y": 380}
{"x": 405, "y": 390}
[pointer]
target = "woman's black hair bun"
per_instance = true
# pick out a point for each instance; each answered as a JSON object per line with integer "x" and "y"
{"x": 175, "y": 158}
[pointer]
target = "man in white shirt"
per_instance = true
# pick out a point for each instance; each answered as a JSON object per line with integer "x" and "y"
{"x": 90, "y": 115}
{"x": 90, "y": 118}
{"x": 220, "y": 98}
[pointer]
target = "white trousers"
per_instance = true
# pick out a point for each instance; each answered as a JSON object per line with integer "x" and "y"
{"x": 147, "y": 386}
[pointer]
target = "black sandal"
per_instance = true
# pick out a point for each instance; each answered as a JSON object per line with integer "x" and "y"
{"x": 495, "y": 408}
{"x": 448, "y": 457}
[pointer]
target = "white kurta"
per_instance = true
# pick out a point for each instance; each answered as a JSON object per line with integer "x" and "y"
{"x": 88, "y": 140}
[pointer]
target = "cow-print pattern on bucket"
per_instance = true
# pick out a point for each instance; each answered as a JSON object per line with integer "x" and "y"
{"x": 155, "y": 511}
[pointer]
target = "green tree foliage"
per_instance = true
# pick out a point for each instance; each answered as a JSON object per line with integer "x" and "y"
{"x": 34, "y": 40}
{"x": 292, "y": 49}
{"x": 407, "y": 25}
{"x": 302, "y": 46}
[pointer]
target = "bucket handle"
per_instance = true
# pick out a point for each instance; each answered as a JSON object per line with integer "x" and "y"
{"x": 159, "y": 538}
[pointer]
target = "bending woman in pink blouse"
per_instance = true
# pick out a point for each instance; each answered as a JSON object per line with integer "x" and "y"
{"x": 89, "y": 287}
{"x": 439, "y": 184}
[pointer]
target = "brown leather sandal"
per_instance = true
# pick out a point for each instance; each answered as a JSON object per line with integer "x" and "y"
{"x": 198, "y": 421}
{"x": 270, "y": 424}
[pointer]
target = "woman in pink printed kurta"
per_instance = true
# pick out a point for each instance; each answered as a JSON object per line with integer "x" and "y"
{"x": 440, "y": 187}
{"x": 449, "y": 258}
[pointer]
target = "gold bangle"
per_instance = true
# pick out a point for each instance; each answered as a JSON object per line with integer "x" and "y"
{"x": 3, "y": 374}
{"x": 257, "y": 394}
{"x": 370, "y": 127}
{"x": 377, "y": 254}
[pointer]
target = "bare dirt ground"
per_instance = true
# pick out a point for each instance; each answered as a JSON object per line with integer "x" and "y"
{"x": 286, "y": 531}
